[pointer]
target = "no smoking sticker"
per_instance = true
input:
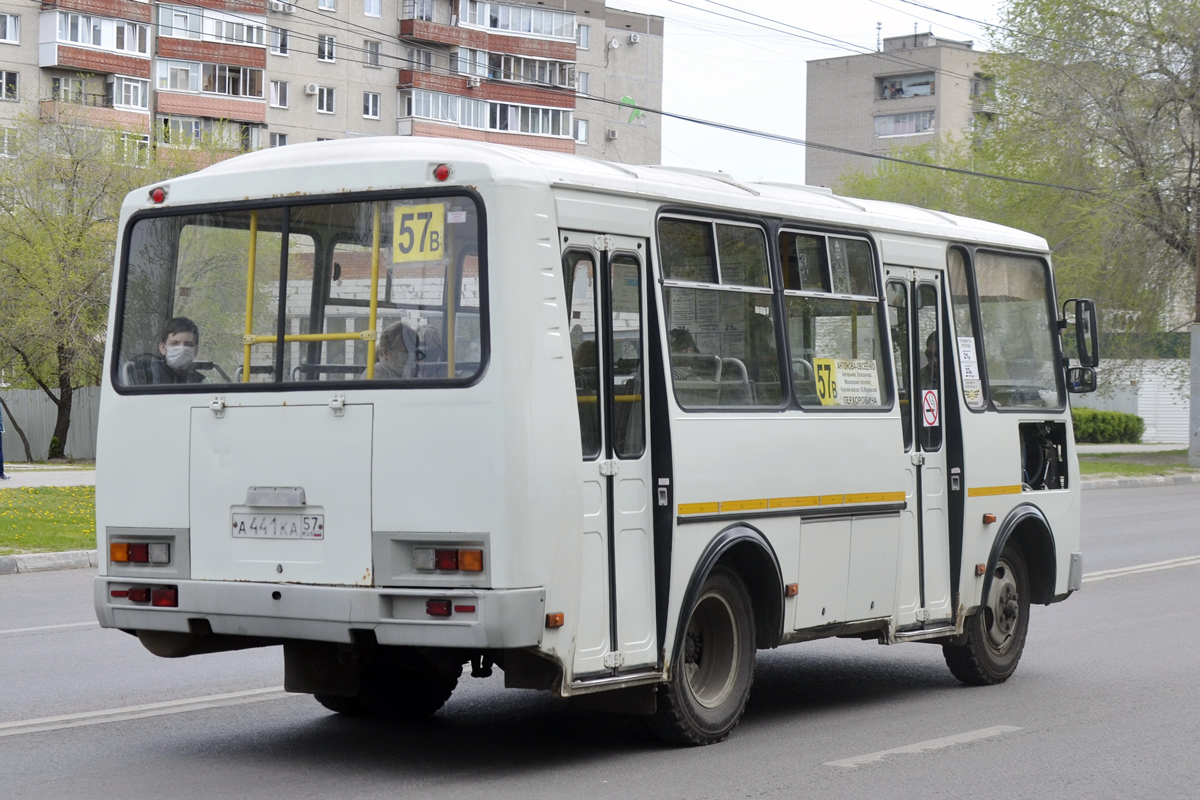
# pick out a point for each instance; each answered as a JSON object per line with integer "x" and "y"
{"x": 929, "y": 407}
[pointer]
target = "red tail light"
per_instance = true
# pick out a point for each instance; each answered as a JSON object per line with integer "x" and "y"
{"x": 139, "y": 594}
{"x": 165, "y": 597}
{"x": 437, "y": 608}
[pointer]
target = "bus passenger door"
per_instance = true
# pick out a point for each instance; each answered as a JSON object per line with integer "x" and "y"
{"x": 604, "y": 278}
{"x": 914, "y": 308}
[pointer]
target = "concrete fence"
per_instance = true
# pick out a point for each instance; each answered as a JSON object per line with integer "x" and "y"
{"x": 34, "y": 412}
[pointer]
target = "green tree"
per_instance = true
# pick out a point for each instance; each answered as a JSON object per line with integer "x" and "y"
{"x": 59, "y": 205}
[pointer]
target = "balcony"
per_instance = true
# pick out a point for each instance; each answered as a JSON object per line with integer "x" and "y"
{"x": 95, "y": 110}
{"x": 480, "y": 39}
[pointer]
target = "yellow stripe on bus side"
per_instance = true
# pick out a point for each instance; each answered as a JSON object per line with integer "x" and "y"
{"x": 876, "y": 497}
{"x": 699, "y": 508}
{"x": 794, "y": 502}
{"x": 743, "y": 505}
{"x": 990, "y": 491}
{"x": 832, "y": 499}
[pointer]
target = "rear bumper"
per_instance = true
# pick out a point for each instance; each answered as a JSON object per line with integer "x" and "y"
{"x": 501, "y": 618}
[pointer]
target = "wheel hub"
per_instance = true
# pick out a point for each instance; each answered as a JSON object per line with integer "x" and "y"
{"x": 1004, "y": 610}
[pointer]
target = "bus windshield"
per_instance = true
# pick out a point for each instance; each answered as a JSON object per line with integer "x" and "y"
{"x": 333, "y": 291}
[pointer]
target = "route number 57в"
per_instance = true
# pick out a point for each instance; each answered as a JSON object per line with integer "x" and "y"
{"x": 418, "y": 232}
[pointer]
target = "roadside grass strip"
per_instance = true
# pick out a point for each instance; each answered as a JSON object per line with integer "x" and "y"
{"x": 47, "y": 519}
{"x": 924, "y": 747}
{"x": 105, "y": 716}
{"x": 1156, "y": 566}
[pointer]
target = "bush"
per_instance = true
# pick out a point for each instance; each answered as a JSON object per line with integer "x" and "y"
{"x": 1106, "y": 427}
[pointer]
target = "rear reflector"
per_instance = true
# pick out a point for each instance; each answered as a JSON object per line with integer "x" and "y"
{"x": 437, "y": 608}
{"x": 139, "y": 594}
{"x": 446, "y": 559}
{"x": 165, "y": 597}
{"x": 119, "y": 593}
{"x": 423, "y": 558}
{"x": 464, "y": 609}
{"x": 470, "y": 560}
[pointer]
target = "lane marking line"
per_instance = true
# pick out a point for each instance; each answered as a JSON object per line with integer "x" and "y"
{"x": 104, "y": 716}
{"x": 50, "y": 628}
{"x": 924, "y": 747}
{"x": 1155, "y": 566}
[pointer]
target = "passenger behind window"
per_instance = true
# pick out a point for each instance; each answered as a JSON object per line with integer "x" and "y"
{"x": 177, "y": 347}
{"x": 929, "y": 372}
{"x": 431, "y": 354}
{"x": 397, "y": 353}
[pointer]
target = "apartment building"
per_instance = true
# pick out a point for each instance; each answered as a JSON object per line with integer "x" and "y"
{"x": 916, "y": 89}
{"x": 560, "y": 75}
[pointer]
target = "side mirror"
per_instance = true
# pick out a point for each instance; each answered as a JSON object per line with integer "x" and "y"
{"x": 1081, "y": 380}
{"x": 1087, "y": 345}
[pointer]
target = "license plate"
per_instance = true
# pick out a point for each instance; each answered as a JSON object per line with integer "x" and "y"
{"x": 279, "y": 526}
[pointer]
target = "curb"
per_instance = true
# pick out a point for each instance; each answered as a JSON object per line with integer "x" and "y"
{"x": 1135, "y": 483}
{"x": 42, "y": 562}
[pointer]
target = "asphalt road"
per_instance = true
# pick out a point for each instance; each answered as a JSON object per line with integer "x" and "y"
{"x": 1103, "y": 705}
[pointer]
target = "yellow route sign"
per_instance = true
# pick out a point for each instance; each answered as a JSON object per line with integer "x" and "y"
{"x": 418, "y": 232}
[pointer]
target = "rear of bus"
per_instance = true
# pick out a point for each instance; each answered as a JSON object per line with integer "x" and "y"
{"x": 301, "y": 440}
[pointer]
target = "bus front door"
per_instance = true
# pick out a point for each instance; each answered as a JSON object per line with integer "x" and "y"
{"x": 604, "y": 277}
{"x": 914, "y": 301}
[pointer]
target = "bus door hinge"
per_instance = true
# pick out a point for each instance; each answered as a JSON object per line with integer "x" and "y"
{"x": 217, "y": 406}
{"x": 610, "y": 467}
{"x": 603, "y": 242}
{"x": 338, "y": 405}
{"x": 918, "y": 459}
{"x": 614, "y": 660}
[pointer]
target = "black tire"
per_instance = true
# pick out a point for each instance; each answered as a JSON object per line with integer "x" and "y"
{"x": 991, "y": 645}
{"x": 712, "y": 678}
{"x": 347, "y": 706}
{"x": 397, "y": 693}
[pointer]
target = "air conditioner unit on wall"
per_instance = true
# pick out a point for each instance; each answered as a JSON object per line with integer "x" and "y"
{"x": 288, "y": 8}
{"x": 311, "y": 88}
{"x": 611, "y": 133}
{"x": 634, "y": 38}
{"x": 473, "y": 81}
{"x": 276, "y": 5}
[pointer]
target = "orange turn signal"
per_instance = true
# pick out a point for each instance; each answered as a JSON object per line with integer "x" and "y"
{"x": 118, "y": 551}
{"x": 470, "y": 560}
{"x": 980, "y": 569}
{"x": 554, "y": 620}
{"x": 791, "y": 590}
{"x": 988, "y": 519}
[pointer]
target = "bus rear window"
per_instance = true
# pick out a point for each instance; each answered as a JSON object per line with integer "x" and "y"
{"x": 389, "y": 290}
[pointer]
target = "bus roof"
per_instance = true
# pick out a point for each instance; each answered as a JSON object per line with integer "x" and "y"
{"x": 385, "y": 162}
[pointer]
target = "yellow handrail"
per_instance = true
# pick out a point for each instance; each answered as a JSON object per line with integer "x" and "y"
{"x": 250, "y": 296}
{"x": 374, "y": 293}
{"x": 310, "y": 337}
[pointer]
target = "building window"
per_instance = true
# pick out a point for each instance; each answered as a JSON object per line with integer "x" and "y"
{"x": 279, "y": 41}
{"x": 325, "y": 99}
{"x": 133, "y": 38}
{"x": 371, "y": 105}
{"x": 8, "y": 142}
{"x": 583, "y": 83}
{"x": 179, "y": 76}
{"x": 432, "y": 105}
{"x": 10, "y": 80}
{"x": 278, "y": 139}
{"x": 325, "y": 47}
{"x": 530, "y": 70}
{"x": 371, "y": 51}
{"x": 373, "y": 8}
{"x": 131, "y": 93}
{"x": 418, "y": 59}
{"x": 182, "y": 23}
{"x": 232, "y": 81}
{"x": 582, "y": 36}
{"x": 78, "y": 29}
{"x": 472, "y": 113}
{"x": 67, "y": 90}
{"x": 134, "y": 148}
{"x": 581, "y": 131}
{"x": 910, "y": 124}
{"x": 279, "y": 94}
{"x": 520, "y": 19}
{"x": 327, "y": 5}
{"x": 180, "y": 130}
{"x": 527, "y": 119}
{"x": 417, "y": 9}
{"x": 920, "y": 85}
{"x": 10, "y": 28}
{"x": 239, "y": 32}
{"x": 470, "y": 62}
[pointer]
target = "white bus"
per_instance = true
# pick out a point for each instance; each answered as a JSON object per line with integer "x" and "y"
{"x": 404, "y": 404}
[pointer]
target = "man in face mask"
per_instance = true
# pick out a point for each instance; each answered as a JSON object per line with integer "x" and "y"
{"x": 177, "y": 346}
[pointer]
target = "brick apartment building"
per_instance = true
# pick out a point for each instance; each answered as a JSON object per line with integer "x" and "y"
{"x": 919, "y": 87}
{"x": 259, "y": 73}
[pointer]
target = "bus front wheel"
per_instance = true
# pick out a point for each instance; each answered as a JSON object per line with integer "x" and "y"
{"x": 989, "y": 649}
{"x": 715, "y": 669}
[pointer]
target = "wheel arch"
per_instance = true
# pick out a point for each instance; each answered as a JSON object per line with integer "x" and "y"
{"x": 745, "y": 550}
{"x": 1028, "y": 528}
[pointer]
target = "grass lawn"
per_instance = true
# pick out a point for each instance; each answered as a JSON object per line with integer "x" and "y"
{"x": 1134, "y": 465}
{"x": 47, "y": 519}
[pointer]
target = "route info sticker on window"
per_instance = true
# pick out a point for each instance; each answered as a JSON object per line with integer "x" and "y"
{"x": 847, "y": 382}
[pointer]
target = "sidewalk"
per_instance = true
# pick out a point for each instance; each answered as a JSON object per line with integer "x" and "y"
{"x": 1094, "y": 449}
{"x": 49, "y": 475}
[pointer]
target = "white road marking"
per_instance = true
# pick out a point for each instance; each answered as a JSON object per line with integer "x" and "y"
{"x": 107, "y": 715}
{"x": 924, "y": 747}
{"x": 1156, "y": 566}
{"x": 49, "y": 628}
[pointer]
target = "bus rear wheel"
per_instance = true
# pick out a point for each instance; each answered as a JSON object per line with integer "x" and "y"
{"x": 715, "y": 669}
{"x": 990, "y": 647}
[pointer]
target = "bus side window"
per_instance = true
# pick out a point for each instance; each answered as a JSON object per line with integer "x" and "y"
{"x": 579, "y": 277}
{"x": 898, "y": 314}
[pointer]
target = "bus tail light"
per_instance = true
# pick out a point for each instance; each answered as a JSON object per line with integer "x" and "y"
{"x": 438, "y": 608}
{"x": 139, "y": 594}
{"x": 470, "y": 560}
{"x": 164, "y": 597}
{"x": 140, "y": 552}
{"x": 446, "y": 560}
{"x": 431, "y": 559}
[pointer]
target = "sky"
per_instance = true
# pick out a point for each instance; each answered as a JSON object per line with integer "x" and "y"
{"x": 721, "y": 64}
